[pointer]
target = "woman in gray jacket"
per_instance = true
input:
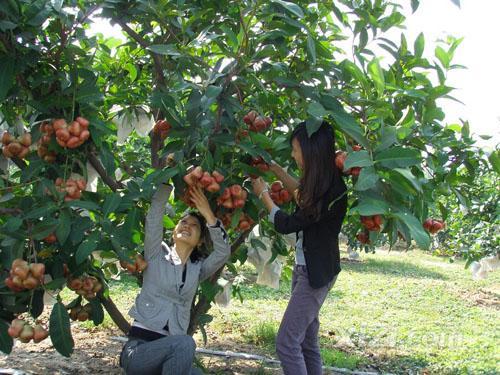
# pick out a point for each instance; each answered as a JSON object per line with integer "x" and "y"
{"x": 158, "y": 341}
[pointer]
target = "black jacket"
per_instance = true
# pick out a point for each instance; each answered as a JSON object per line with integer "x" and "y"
{"x": 321, "y": 245}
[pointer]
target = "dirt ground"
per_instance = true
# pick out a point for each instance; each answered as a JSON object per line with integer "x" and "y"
{"x": 96, "y": 352}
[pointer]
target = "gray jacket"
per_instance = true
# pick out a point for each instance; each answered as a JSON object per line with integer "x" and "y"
{"x": 161, "y": 300}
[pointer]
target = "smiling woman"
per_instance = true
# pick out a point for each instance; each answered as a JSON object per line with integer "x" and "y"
{"x": 158, "y": 342}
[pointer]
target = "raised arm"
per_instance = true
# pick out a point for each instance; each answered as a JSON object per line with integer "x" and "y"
{"x": 220, "y": 239}
{"x": 154, "y": 222}
{"x": 289, "y": 182}
{"x": 221, "y": 252}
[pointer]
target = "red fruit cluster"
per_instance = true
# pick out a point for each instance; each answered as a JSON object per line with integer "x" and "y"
{"x": 24, "y": 275}
{"x": 72, "y": 188}
{"x": 162, "y": 127}
{"x": 245, "y": 222}
{"x": 86, "y": 286}
{"x": 363, "y": 237}
{"x": 234, "y": 196}
{"x": 197, "y": 177}
{"x": 81, "y": 313}
{"x": 260, "y": 164}
{"x": 16, "y": 147}
{"x": 372, "y": 223}
{"x": 278, "y": 194}
{"x": 138, "y": 266}
{"x": 43, "y": 150}
{"x": 20, "y": 329}
{"x": 433, "y": 226}
{"x": 255, "y": 122}
{"x": 72, "y": 135}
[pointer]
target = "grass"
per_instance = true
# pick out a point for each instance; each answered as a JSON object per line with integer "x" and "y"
{"x": 397, "y": 312}
{"x": 401, "y": 312}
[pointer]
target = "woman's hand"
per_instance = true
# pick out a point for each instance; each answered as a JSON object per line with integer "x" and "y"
{"x": 201, "y": 202}
{"x": 258, "y": 185}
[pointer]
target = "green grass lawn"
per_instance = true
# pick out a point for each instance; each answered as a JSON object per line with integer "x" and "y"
{"x": 397, "y": 312}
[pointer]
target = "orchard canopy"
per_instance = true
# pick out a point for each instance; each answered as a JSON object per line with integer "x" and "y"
{"x": 94, "y": 124}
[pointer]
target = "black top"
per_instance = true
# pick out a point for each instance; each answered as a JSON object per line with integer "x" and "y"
{"x": 320, "y": 241}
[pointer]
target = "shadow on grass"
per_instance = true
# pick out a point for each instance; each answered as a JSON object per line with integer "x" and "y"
{"x": 393, "y": 268}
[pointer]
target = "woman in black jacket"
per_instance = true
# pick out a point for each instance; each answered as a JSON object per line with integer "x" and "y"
{"x": 321, "y": 207}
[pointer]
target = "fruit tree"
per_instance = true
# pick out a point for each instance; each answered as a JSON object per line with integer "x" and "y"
{"x": 201, "y": 93}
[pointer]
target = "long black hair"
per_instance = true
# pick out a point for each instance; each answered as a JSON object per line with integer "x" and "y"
{"x": 319, "y": 171}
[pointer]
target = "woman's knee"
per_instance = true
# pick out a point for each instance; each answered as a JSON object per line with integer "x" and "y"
{"x": 187, "y": 344}
{"x": 283, "y": 342}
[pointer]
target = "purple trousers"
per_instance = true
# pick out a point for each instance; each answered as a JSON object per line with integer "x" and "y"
{"x": 297, "y": 343}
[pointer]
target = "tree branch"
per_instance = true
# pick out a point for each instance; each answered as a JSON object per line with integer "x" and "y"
{"x": 10, "y": 211}
{"x": 156, "y": 146}
{"x": 144, "y": 44}
{"x": 114, "y": 313}
{"x": 96, "y": 163}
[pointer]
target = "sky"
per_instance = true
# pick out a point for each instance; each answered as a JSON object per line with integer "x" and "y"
{"x": 477, "y": 86}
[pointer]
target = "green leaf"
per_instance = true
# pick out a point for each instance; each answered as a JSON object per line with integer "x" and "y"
{"x": 43, "y": 229}
{"x": 91, "y": 206}
{"x": 311, "y": 48}
{"x": 132, "y": 71}
{"x": 377, "y": 74}
{"x": 111, "y": 203}
{"x": 419, "y": 45}
{"x": 388, "y": 137}
{"x": 108, "y": 160}
{"x": 406, "y": 173}
{"x": 7, "y": 25}
{"x": 97, "y": 312}
{"x": 168, "y": 223}
{"x": 213, "y": 91}
{"x": 40, "y": 212}
{"x": 312, "y": 125}
{"x": 414, "y": 5}
{"x": 60, "y": 330}
{"x": 442, "y": 56}
{"x": 6, "y": 341}
{"x": 164, "y": 49}
{"x": 64, "y": 227}
{"x": 56, "y": 283}
{"x": 86, "y": 247}
{"x": 291, "y": 7}
{"x": 368, "y": 206}
{"x": 315, "y": 109}
{"x": 7, "y": 66}
{"x": 37, "y": 305}
{"x": 494, "y": 159}
{"x": 12, "y": 224}
{"x": 344, "y": 120}
{"x": 395, "y": 157}
{"x": 416, "y": 229}
{"x": 358, "y": 159}
{"x": 367, "y": 179}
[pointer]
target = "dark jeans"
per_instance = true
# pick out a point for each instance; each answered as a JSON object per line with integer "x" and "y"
{"x": 297, "y": 343}
{"x": 170, "y": 355}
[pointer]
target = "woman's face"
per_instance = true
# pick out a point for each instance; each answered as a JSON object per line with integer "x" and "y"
{"x": 188, "y": 231}
{"x": 297, "y": 153}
